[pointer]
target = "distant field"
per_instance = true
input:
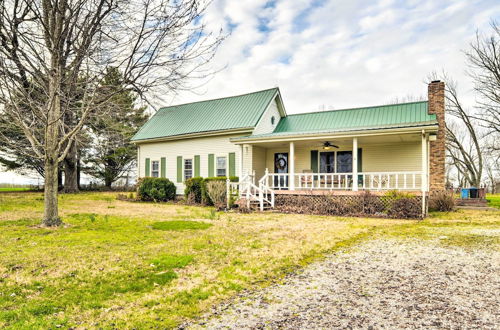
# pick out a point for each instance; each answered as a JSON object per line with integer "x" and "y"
{"x": 493, "y": 200}
{"x": 14, "y": 189}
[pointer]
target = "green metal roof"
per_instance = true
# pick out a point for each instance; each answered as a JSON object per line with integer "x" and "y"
{"x": 227, "y": 113}
{"x": 377, "y": 117}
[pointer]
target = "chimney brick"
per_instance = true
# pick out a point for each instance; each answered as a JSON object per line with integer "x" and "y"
{"x": 437, "y": 148}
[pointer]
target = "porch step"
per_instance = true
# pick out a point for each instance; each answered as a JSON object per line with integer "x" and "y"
{"x": 477, "y": 202}
{"x": 254, "y": 204}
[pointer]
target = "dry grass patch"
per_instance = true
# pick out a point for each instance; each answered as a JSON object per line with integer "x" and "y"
{"x": 109, "y": 268}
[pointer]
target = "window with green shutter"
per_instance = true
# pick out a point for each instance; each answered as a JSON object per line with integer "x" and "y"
{"x": 196, "y": 165}
{"x": 232, "y": 164}
{"x": 163, "y": 167}
{"x": 210, "y": 165}
{"x": 179, "y": 169}
{"x": 147, "y": 167}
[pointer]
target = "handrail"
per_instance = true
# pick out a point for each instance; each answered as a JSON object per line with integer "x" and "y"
{"x": 249, "y": 190}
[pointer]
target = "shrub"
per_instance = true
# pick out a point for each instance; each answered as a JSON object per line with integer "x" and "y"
{"x": 405, "y": 208}
{"x": 205, "y": 197}
{"x": 193, "y": 190}
{"x": 155, "y": 189}
{"x": 442, "y": 201}
{"x": 370, "y": 204}
{"x": 216, "y": 191}
{"x": 191, "y": 199}
{"x": 395, "y": 194}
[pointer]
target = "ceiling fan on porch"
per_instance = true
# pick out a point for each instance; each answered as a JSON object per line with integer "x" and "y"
{"x": 327, "y": 145}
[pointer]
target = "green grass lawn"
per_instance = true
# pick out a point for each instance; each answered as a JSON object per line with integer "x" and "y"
{"x": 118, "y": 264}
{"x": 9, "y": 189}
{"x": 493, "y": 200}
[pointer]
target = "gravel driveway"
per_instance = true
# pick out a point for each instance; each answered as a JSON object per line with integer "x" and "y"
{"x": 381, "y": 284}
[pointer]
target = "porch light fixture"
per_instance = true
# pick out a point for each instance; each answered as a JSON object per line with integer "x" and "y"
{"x": 432, "y": 137}
{"x": 327, "y": 146}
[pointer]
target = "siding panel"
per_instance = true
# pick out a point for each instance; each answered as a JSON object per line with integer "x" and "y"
{"x": 188, "y": 148}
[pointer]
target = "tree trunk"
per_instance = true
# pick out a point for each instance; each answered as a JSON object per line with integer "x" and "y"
{"x": 51, "y": 164}
{"x": 78, "y": 173}
{"x": 51, "y": 212}
{"x": 71, "y": 170}
{"x": 108, "y": 181}
{"x": 59, "y": 179}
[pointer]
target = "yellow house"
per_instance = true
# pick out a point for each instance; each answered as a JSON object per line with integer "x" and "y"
{"x": 251, "y": 136}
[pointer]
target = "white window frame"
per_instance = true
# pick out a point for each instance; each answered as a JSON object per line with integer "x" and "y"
{"x": 153, "y": 162}
{"x": 217, "y": 166}
{"x": 185, "y": 169}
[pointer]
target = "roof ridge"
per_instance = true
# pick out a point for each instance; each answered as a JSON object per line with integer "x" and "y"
{"x": 218, "y": 98}
{"x": 360, "y": 108}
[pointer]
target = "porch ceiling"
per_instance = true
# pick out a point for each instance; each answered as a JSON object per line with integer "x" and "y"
{"x": 345, "y": 142}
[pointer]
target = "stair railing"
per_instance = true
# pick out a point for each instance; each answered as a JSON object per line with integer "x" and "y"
{"x": 248, "y": 190}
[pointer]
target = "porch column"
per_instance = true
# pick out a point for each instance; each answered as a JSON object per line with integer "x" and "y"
{"x": 291, "y": 172}
{"x": 355, "y": 164}
{"x": 424, "y": 162}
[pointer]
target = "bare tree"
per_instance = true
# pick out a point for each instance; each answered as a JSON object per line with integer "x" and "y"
{"x": 60, "y": 49}
{"x": 464, "y": 142}
{"x": 484, "y": 61}
{"x": 492, "y": 168}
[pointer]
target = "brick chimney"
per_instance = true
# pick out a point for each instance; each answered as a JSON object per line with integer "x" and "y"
{"x": 437, "y": 177}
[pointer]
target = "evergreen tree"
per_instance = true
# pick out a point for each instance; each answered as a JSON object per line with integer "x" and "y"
{"x": 112, "y": 154}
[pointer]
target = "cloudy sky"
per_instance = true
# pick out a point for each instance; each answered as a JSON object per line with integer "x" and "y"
{"x": 337, "y": 54}
{"x": 332, "y": 54}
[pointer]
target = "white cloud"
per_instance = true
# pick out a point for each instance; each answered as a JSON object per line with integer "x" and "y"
{"x": 342, "y": 53}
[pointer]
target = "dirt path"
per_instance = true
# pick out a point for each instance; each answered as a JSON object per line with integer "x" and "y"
{"x": 382, "y": 284}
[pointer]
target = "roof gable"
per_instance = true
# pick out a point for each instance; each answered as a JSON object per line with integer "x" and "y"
{"x": 235, "y": 112}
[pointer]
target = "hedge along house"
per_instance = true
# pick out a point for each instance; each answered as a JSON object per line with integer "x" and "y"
{"x": 380, "y": 148}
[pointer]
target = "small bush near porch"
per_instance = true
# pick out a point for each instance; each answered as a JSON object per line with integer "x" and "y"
{"x": 118, "y": 264}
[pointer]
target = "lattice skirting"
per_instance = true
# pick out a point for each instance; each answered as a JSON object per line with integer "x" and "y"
{"x": 404, "y": 206}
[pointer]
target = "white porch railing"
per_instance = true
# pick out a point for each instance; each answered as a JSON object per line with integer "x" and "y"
{"x": 391, "y": 180}
{"x": 344, "y": 181}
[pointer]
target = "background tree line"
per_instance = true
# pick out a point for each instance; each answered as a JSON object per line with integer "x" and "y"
{"x": 69, "y": 74}
{"x": 102, "y": 149}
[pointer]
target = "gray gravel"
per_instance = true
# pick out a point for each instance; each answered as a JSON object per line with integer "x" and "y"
{"x": 382, "y": 284}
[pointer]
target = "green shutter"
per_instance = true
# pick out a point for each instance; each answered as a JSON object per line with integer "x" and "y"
{"x": 314, "y": 161}
{"x": 210, "y": 165}
{"x": 146, "y": 168}
{"x": 232, "y": 164}
{"x": 163, "y": 167}
{"x": 196, "y": 165}
{"x": 179, "y": 168}
{"x": 360, "y": 169}
{"x": 360, "y": 163}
